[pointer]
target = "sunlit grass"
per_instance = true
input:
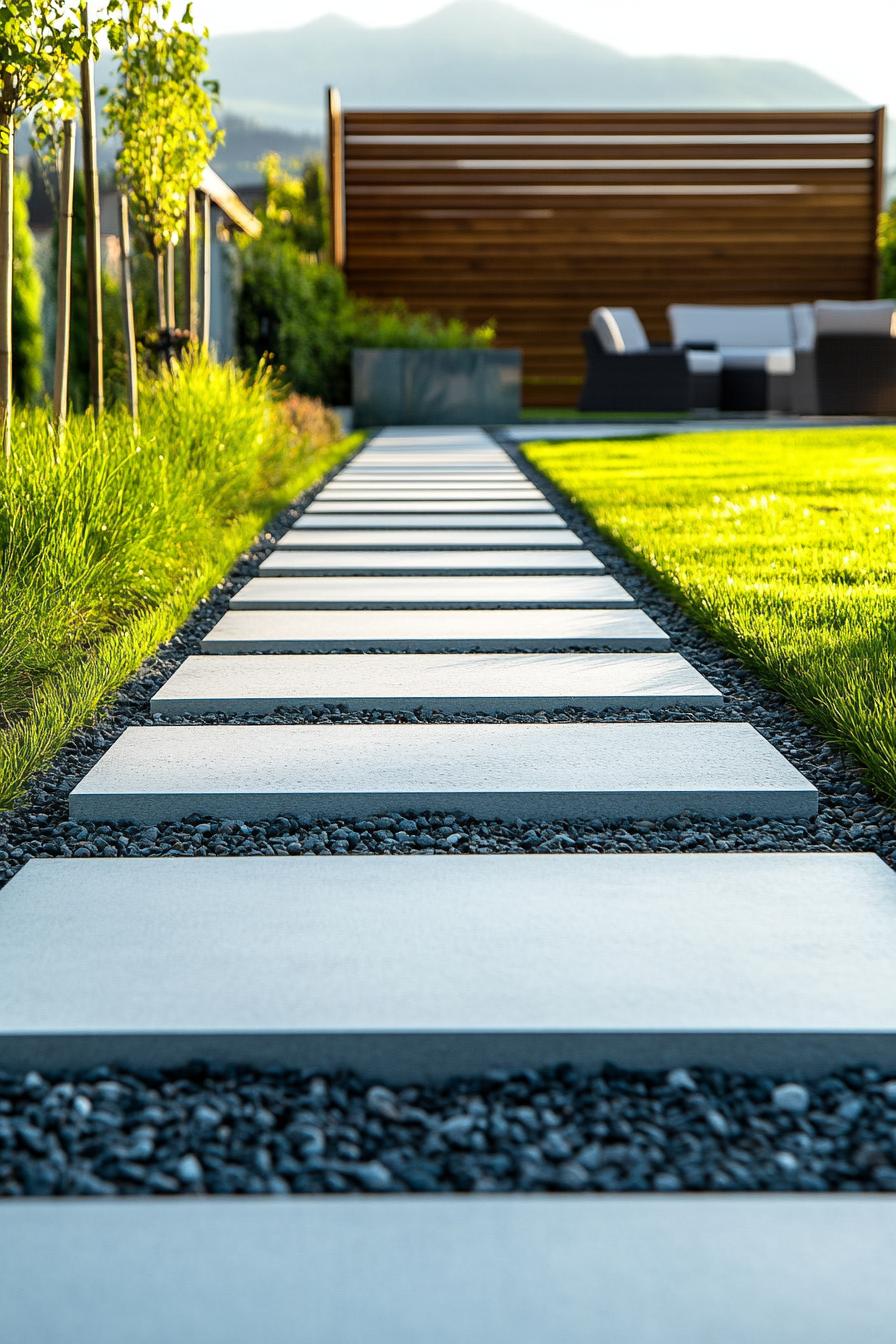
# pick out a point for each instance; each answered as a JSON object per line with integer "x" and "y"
{"x": 783, "y": 543}
{"x": 107, "y": 541}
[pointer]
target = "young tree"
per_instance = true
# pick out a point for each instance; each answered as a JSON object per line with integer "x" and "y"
{"x": 162, "y": 111}
{"x": 53, "y": 139}
{"x": 38, "y": 38}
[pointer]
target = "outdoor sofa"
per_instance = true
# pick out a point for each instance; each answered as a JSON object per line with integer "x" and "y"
{"x": 624, "y": 372}
{"x": 845, "y": 358}
{"x": 755, "y": 344}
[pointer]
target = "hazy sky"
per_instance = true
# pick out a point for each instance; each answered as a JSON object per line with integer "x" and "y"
{"x": 858, "y": 49}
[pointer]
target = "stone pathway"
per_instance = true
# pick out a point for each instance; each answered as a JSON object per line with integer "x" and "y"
{"x": 413, "y": 968}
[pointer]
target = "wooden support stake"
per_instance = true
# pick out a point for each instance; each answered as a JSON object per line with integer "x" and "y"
{"x": 336, "y": 176}
{"x": 7, "y": 189}
{"x": 92, "y": 229}
{"x": 127, "y": 306}
{"x": 206, "y": 269}
{"x": 64, "y": 273}
{"x": 189, "y": 259}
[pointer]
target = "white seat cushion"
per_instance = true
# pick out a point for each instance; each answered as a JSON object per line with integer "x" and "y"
{"x": 875, "y": 317}
{"x": 736, "y": 325}
{"x": 704, "y": 361}
{"x": 619, "y": 330}
{"x": 803, "y": 317}
{"x": 778, "y": 361}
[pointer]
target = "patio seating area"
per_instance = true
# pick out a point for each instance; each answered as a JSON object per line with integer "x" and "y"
{"x": 827, "y": 358}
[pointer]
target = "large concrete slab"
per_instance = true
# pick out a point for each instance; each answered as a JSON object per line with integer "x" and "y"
{"x": 437, "y": 590}
{"x": 427, "y": 630}
{"x": 429, "y": 538}
{"x": 414, "y": 966}
{"x": 538, "y": 771}
{"x": 511, "y": 682}
{"x": 398, "y": 520}
{"x": 449, "y": 513}
{"x": 653, "y": 1269}
{"x": 285, "y": 563}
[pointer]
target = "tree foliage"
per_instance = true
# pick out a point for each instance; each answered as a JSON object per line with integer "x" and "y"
{"x": 294, "y": 208}
{"x": 38, "y": 40}
{"x": 162, "y": 109}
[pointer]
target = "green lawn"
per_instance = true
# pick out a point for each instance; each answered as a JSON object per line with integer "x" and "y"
{"x": 782, "y": 543}
{"x": 107, "y": 542}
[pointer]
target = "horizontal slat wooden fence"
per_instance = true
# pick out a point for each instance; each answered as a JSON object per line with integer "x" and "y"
{"x": 533, "y": 219}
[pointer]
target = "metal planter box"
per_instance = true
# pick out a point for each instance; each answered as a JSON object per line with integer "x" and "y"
{"x": 436, "y": 387}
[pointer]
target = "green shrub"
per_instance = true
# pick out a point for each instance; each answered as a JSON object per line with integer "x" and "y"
{"x": 297, "y": 310}
{"x": 107, "y": 541}
{"x": 886, "y": 241}
{"x": 27, "y": 293}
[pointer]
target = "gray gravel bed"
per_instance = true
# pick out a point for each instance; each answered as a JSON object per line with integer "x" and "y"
{"x": 239, "y": 1131}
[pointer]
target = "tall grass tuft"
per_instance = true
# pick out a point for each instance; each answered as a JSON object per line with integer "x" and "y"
{"x": 107, "y": 539}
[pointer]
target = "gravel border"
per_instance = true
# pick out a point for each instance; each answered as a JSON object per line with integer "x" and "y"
{"x": 850, "y": 816}
{"x": 236, "y": 1131}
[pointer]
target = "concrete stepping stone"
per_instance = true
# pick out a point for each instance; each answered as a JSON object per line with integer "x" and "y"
{"x": 499, "y": 682}
{"x": 448, "y": 513}
{"x": 436, "y": 590}
{"x": 415, "y": 494}
{"x": 411, "y": 966}
{"x": 285, "y": 563}
{"x": 429, "y": 539}
{"x": 419, "y": 631}
{"x": 649, "y": 1269}
{"x": 417, "y": 519}
{"x": 507, "y": 771}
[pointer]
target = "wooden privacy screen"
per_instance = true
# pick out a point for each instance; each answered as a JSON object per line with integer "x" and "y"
{"x": 533, "y": 219}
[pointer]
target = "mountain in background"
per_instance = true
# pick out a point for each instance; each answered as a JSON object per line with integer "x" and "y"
{"x": 480, "y": 53}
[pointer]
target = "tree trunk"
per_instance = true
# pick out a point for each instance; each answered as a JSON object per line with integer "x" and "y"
{"x": 127, "y": 305}
{"x": 64, "y": 274}
{"x": 206, "y": 269}
{"x": 189, "y": 271}
{"x": 92, "y": 230}
{"x": 161, "y": 305}
{"x": 7, "y": 170}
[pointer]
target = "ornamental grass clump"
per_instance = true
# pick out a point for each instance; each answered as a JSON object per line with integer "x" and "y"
{"x": 108, "y": 539}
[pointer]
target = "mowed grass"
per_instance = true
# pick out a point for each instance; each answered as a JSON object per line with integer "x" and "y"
{"x": 783, "y": 544}
{"x": 107, "y": 541}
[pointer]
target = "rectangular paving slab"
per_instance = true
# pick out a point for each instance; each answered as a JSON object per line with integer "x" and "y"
{"x": 487, "y": 1269}
{"x": 403, "y": 519}
{"x": 431, "y": 495}
{"x": 537, "y": 771}
{"x": 427, "y": 630}
{"x": 285, "y": 563}
{"x": 437, "y": 590}
{"x": 413, "y": 966}
{"x": 499, "y": 682}
{"x": 538, "y": 504}
{"x": 429, "y": 538}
